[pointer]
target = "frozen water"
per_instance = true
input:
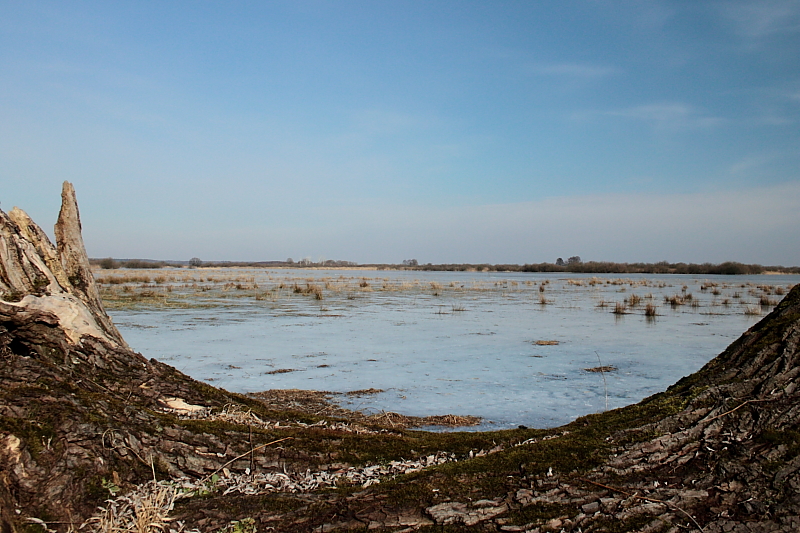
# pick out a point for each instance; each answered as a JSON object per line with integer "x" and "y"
{"x": 452, "y": 342}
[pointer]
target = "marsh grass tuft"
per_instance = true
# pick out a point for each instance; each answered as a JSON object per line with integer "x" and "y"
{"x": 766, "y": 301}
{"x": 620, "y": 309}
{"x": 675, "y": 301}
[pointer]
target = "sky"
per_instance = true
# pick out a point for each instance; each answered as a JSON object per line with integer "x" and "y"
{"x": 378, "y": 131}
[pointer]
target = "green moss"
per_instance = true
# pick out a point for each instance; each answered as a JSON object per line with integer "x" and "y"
{"x": 28, "y": 527}
{"x": 35, "y": 434}
{"x": 775, "y": 438}
{"x": 406, "y": 493}
{"x": 540, "y": 512}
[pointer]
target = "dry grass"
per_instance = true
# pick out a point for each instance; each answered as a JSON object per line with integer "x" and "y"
{"x": 620, "y": 309}
{"x": 207, "y": 288}
{"x": 650, "y": 310}
{"x": 606, "y": 368}
{"x": 546, "y": 343}
{"x": 766, "y": 301}
{"x": 144, "y": 511}
{"x": 281, "y": 371}
{"x": 633, "y": 300}
{"x": 675, "y": 301}
{"x": 436, "y": 288}
{"x": 396, "y": 420}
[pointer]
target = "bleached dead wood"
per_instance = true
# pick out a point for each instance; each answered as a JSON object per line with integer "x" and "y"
{"x": 36, "y": 275}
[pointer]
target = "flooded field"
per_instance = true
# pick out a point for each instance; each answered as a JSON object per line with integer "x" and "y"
{"x": 513, "y": 348}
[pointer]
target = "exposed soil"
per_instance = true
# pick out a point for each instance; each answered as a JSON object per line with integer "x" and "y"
{"x": 321, "y": 403}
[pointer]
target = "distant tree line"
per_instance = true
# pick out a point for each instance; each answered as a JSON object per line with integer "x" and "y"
{"x": 604, "y": 267}
{"x": 573, "y": 264}
{"x": 109, "y": 263}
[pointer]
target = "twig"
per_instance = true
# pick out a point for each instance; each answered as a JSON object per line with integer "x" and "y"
{"x": 252, "y": 468}
{"x": 242, "y": 455}
{"x": 740, "y": 406}
{"x": 645, "y": 498}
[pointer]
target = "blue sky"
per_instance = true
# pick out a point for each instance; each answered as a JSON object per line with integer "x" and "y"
{"x": 381, "y": 131}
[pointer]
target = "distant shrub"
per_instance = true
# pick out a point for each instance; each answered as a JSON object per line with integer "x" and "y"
{"x": 138, "y": 263}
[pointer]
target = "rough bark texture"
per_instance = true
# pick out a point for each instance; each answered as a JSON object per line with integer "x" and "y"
{"x": 72, "y": 254}
{"x": 34, "y": 274}
{"x": 718, "y": 451}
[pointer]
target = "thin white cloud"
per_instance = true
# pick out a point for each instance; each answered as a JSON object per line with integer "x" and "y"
{"x": 662, "y": 116}
{"x": 748, "y": 165}
{"x": 762, "y": 18}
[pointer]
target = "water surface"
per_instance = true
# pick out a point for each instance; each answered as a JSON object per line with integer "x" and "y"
{"x": 450, "y": 342}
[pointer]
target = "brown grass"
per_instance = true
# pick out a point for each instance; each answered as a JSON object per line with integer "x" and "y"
{"x": 766, "y": 301}
{"x": 634, "y": 300}
{"x": 143, "y": 512}
{"x": 601, "y": 369}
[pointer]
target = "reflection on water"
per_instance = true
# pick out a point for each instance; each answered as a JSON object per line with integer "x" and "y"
{"x": 513, "y": 348}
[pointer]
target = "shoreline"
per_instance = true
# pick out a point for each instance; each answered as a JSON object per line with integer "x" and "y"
{"x": 320, "y": 403}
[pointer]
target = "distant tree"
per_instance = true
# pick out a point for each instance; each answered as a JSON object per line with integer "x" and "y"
{"x": 290, "y": 261}
{"x": 574, "y": 260}
{"x": 410, "y": 262}
{"x": 559, "y": 262}
{"x": 108, "y": 263}
{"x": 195, "y": 262}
